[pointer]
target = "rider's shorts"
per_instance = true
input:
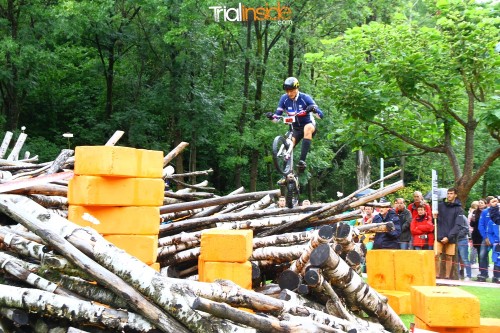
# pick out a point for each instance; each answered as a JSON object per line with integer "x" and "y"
{"x": 298, "y": 133}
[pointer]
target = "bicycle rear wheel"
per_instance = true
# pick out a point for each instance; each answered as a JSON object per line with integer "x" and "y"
{"x": 282, "y": 163}
{"x": 292, "y": 194}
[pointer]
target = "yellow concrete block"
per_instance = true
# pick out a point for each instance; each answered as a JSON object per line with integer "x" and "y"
{"x": 399, "y": 301}
{"x": 380, "y": 269}
{"x": 238, "y": 272}
{"x": 118, "y": 162}
{"x": 132, "y": 220}
{"x": 414, "y": 268}
{"x": 226, "y": 245}
{"x": 143, "y": 247}
{"x": 112, "y": 191}
{"x": 445, "y": 306}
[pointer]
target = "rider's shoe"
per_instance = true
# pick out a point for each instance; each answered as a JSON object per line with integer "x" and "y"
{"x": 282, "y": 181}
{"x": 301, "y": 165}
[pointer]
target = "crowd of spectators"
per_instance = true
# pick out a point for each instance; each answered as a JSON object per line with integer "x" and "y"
{"x": 449, "y": 231}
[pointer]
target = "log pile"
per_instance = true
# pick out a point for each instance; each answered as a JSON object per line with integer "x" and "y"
{"x": 58, "y": 277}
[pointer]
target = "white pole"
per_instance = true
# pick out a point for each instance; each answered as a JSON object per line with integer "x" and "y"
{"x": 381, "y": 172}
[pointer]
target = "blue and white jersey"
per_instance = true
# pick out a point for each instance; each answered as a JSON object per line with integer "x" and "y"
{"x": 297, "y": 107}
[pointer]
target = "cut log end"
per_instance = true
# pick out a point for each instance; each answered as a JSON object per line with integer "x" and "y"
{"x": 320, "y": 255}
{"x": 326, "y": 232}
{"x": 289, "y": 280}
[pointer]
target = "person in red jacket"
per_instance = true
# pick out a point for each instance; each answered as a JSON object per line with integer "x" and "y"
{"x": 422, "y": 230}
{"x": 418, "y": 200}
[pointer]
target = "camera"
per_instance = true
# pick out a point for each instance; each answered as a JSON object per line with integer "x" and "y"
{"x": 423, "y": 237}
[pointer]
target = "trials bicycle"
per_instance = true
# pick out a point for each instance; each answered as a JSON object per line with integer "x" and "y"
{"x": 283, "y": 162}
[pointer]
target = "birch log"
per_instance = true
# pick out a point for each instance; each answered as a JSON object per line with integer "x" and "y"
{"x": 39, "y": 220}
{"x": 354, "y": 290}
{"x": 69, "y": 308}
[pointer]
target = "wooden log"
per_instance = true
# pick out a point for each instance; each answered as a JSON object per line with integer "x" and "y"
{"x": 324, "y": 235}
{"x": 69, "y": 308}
{"x": 375, "y": 227}
{"x": 10, "y": 205}
{"x": 173, "y": 154}
{"x": 278, "y": 253}
{"x": 176, "y": 227}
{"x": 5, "y": 143}
{"x": 17, "y": 316}
{"x": 288, "y": 238}
{"x": 59, "y": 161}
{"x": 10, "y": 265}
{"x": 20, "y": 232}
{"x": 289, "y": 279}
{"x": 354, "y": 290}
{"x": 51, "y": 201}
{"x": 212, "y": 210}
{"x": 260, "y": 322}
{"x": 165, "y": 251}
{"x": 189, "y": 196}
{"x": 87, "y": 289}
{"x": 190, "y": 174}
{"x": 180, "y": 257}
{"x": 114, "y": 138}
{"x": 34, "y": 250}
{"x": 261, "y": 204}
{"x": 14, "y": 153}
{"x": 214, "y": 201}
{"x": 338, "y": 206}
{"x": 258, "y": 223}
{"x": 183, "y": 237}
{"x": 44, "y": 189}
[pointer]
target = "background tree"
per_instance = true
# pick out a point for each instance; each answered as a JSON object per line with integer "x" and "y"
{"x": 423, "y": 88}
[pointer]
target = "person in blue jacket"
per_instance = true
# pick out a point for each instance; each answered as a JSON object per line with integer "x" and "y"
{"x": 390, "y": 239}
{"x": 494, "y": 213}
{"x": 304, "y": 109}
{"x": 484, "y": 251}
{"x": 493, "y": 239}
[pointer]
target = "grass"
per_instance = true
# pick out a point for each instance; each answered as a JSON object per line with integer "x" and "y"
{"x": 488, "y": 302}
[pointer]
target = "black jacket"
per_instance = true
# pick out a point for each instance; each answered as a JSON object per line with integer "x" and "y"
{"x": 449, "y": 221}
{"x": 405, "y": 222}
{"x": 387, "y": 240}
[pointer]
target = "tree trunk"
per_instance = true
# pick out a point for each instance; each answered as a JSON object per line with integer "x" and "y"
{"x": 363, "y": 168}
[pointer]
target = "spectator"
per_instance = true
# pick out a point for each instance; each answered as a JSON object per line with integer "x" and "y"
{"x": 463, "y": 247}
{"x": 418, "y": 200}
{"x": 281, "y": 202}
{"x": 449, "y": 211}
{"x": 387, "y": 240}
{"x": 484, "y": 250}
{"x": 494, "y": 213}
{"x": 473, "y": 252}
{"x": 404, "y": 221}
{"x": 477, "y": 239}
{"x": 306, "y": 203}
{"x": 422, "y": 230}
{"x": 493, "y": 239}
{"x": 368, "y": 215}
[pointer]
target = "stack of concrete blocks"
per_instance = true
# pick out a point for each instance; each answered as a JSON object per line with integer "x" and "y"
{"x": 393, "y": 272}
{"x": 224, "y": 255}
{"x": 449, "y": 310}
{"x": 118, "y": 192}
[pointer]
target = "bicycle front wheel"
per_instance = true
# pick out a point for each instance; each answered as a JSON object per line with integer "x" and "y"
{"x": 282, "y": 162}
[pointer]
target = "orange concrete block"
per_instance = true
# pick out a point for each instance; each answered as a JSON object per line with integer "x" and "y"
{"x": 118, "y": 162}
{"x": 112, "y": 191}
{"x": 226, "y": 245}
{"x": 155, "y": 266}
{"x": 399, "y": 301}
{"x": 414, "y": 268}
{"x": 380, "y": 269}
{"x": 132, "y": 220}
{"x": 238, "y": 272}
{"x": 143, "y": 247}
{"x": 488, "y": 325}
{"x": 445, "y": 306}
